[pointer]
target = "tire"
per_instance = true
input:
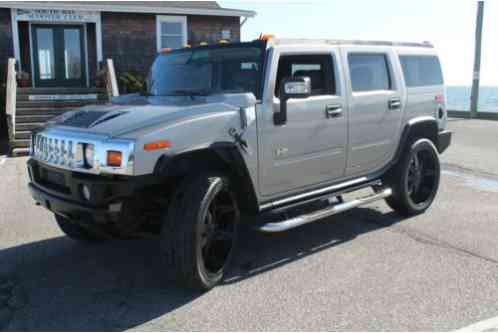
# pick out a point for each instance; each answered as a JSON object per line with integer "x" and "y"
{"x": 77, "y": 232}
{"x": 415, "y": 179}
{"x": 199, "y": 231}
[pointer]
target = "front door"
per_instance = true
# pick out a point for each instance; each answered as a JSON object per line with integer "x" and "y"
{"x": 58, "y": 56}
{"x": 310, "y": 149}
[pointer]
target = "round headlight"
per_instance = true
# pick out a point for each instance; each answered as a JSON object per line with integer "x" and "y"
{"x": 89, "y": 155}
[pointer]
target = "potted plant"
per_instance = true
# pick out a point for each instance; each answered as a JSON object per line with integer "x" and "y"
{"x": 100, "y": 78}
{"x": 132, "y": 82}
{"x": 23, "y": 79}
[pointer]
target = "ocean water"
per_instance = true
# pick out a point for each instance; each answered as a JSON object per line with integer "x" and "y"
{"x": 458, "y": 98}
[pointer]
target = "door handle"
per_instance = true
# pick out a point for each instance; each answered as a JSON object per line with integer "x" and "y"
{"x": 333, "y": 111}
{"x": 394, "y": 103}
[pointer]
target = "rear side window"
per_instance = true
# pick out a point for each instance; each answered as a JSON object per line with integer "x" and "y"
{"x": 369, "y": 72}
{"x": 421, "y": 71}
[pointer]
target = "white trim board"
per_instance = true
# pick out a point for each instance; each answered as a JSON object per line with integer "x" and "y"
{"x": 127, "y": 9}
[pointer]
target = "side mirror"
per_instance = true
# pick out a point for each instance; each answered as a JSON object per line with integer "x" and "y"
{"x": 291, "y": 87}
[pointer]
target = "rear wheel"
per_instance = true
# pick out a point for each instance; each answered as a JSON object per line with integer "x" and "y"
{"x": 76, "y": 231}
{"x": 415, "y": 179}
{"x": 199, "y": 231}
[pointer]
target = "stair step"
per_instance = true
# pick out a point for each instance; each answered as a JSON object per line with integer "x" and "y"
{"x": 20, "y": 143}
{"x": 27, "y": 126}
{"x": 28, "y": 111}
{"x": 20, "y": 151}
{"x": 22, "y": 135}
{"x": 60, "y": 91}
{"x": 56, "y": 104}
{"x": 34, "y": 118}
{"x": 68, "y": 97}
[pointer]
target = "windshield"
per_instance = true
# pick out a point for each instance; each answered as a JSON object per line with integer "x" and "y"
{"x": 210, "y": 70}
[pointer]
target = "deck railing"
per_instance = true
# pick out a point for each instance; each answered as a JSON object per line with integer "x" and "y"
{"x": 10, "y": 96}
{"x": 111, "y": 80}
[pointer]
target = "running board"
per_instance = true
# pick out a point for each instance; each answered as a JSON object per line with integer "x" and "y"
{"x": 320, "y": 214}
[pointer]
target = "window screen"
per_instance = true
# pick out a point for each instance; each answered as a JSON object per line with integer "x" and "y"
{"x": 171, "y": 32}
{"x": 420, "y": 71}
{"x": 369, "y": 72}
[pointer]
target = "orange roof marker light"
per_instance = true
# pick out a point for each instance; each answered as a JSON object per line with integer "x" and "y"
{"x": 166, "y": 50}
{"x": 162, "y": 144}
{"x": 266, "y": 37}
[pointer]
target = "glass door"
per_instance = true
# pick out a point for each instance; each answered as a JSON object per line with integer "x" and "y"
{"x": 58, "y": 56}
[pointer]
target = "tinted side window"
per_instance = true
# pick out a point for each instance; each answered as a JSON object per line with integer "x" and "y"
{"x": 420, "y": 71}
{"x": 369, "y": 72}
{"x": 318, "y": 68}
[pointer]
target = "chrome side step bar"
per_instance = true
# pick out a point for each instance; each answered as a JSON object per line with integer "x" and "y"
{"x": 320, "y": 214}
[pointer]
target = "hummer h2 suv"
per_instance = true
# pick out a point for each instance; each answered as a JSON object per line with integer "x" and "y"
{"x": 271, "y": 132}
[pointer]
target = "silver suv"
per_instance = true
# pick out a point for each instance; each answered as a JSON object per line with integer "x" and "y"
{"x": 271, "y": 132}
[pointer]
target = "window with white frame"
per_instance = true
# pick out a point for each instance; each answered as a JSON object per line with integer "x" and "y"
{"x": 171, "y": 32}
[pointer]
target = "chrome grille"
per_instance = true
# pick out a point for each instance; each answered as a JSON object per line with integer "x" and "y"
{"x": 56, "y": 150}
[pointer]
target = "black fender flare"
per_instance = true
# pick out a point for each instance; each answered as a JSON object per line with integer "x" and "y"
{"x": 232, "y": 161}
{"x": 419, "y": 127}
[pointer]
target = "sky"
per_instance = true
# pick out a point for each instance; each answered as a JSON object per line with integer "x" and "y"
{"x": 448, "y": 24}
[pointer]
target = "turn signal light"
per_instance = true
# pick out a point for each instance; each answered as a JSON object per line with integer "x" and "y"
{"x": 114, "y": 158}
{"x": 166, "y": 50}
{"x": 157, "y": 145}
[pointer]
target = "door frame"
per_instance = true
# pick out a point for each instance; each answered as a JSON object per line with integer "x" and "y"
{"x": 84, "y": 44}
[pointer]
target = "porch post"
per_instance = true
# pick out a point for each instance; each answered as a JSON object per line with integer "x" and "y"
{"x": 15, "y": 36}
{"x": 98, "y": 32}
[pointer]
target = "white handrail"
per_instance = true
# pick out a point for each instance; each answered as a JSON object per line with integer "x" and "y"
{"x": 111, "y": 81}
{"x": 11, "y": 93}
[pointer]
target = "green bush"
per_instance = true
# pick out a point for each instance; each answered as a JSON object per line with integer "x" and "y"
{"x": 131, "y": 82}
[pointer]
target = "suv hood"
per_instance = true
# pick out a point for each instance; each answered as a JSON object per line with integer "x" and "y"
{"x": 129, "y": 113}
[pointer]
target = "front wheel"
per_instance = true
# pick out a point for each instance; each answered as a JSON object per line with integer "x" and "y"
{"x": 415, "y": 179}
{"x": 199, "y": 231}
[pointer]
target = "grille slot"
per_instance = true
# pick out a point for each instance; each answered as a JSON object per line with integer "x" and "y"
{"x": 55, "y": 150}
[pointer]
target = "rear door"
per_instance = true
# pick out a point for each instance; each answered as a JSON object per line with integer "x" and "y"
{"x": 376, "y": 107}
{"x": 311, "y": 147}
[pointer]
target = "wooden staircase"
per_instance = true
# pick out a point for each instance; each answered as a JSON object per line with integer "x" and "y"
{"x": 35, "y": 106}
{"x": 30, "y": 108}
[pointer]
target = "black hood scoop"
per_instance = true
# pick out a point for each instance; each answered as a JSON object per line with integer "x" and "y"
{"x": 89, "y": 119}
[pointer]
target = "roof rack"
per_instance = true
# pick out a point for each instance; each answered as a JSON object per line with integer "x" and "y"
{"x": 350, "y": 42}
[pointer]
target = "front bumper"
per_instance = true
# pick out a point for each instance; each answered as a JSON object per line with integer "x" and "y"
{"x": 444, "y": 141}
{"x": 60, "y": 191}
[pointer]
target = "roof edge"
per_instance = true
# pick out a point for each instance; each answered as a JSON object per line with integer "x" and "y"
{"x": 130, "y": 9}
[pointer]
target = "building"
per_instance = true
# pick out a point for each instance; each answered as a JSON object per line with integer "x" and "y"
{"x": 65, "y": 44}
{"x": 62, "y": 43}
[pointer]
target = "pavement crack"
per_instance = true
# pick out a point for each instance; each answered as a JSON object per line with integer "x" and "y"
{"x": 426, "y": 239}
{"x": 474, "y": 172}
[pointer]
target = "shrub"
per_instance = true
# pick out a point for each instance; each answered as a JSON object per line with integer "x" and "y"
{"x": 131, "y": 82}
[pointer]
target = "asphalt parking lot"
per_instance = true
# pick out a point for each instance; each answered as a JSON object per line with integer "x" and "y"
{"x": 367, "y": 269}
